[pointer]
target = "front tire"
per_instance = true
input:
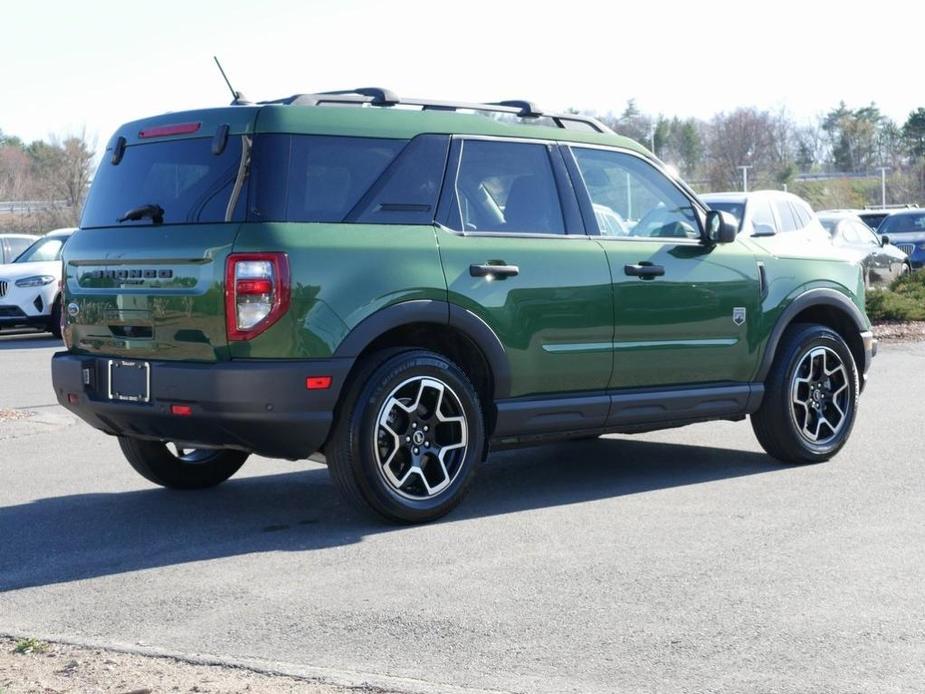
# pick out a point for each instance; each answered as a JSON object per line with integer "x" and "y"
{"x": 810, "y": 399}
{"x": 408, "y": 437}
{"x": 181, "y": 468}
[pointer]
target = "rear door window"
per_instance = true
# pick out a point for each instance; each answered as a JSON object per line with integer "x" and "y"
{"x": 506, "y": 187}
{"x": 184, "y": 177}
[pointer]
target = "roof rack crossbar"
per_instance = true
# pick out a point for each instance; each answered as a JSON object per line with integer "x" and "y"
{"x": 377, "y": 96}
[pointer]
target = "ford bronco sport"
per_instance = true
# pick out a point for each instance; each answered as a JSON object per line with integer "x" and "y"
{"x": 405, "y": 285}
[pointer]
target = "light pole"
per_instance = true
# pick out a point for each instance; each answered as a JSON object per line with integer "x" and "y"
{"x": 744, "y": 177}
{"x": 883, "y": 170}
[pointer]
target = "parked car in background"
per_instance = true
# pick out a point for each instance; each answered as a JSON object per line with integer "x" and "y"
{"x": 874, "y": 216}
{"x": 770, "y": 214}
{"x": 30, "y": 285}
{"x": 11, "y": 245}
{"x": 882, "y": 261}
{"x": 906, "y": 230}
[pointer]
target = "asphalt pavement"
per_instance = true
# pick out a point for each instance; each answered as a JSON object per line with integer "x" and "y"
{"x": 678, "y": 561}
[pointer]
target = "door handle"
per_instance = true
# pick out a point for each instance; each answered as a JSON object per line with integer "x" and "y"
{"x": 645, "y": 270}
{"x": 494, "y": 271}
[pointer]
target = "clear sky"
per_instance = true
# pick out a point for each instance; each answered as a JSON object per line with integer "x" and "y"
{"x": 66, "y": 66}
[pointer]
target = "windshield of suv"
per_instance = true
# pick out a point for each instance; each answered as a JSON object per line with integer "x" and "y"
{"x": 900, "y": 223}
{"x": 42, "y": 250}
{"x": 184, "y": 177}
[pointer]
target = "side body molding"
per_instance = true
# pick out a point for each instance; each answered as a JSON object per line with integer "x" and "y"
{"x": 814, "y": 297}
{"x": 437, "y": 313}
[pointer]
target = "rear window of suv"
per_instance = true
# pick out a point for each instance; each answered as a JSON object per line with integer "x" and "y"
{"x": 184, "y": 177}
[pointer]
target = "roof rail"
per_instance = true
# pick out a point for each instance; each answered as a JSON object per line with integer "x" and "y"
{"x": 378, "y": 96}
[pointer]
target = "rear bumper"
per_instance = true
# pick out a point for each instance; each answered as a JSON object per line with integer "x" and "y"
{"x": 261, "y": 407}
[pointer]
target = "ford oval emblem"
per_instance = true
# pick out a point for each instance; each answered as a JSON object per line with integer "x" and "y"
{"x": 73, "y": 310}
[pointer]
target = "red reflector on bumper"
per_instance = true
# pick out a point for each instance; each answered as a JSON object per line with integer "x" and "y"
{"x": 73, "y": 398}
{"x": 181, "y": 410}
{"x": 318, "y": 382}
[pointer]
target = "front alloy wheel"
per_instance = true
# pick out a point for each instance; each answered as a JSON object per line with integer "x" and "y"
{"x": 810, "y": 396}
{"x": 819, "y": 391}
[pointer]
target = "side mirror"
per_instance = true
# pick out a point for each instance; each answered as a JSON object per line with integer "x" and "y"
{"x": 721, "y": 227}
{"x": 884, "y": 240}
{"x": 763, "y": 230}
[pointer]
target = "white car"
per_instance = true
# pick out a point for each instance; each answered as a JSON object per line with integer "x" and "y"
{"x": 29, "y": 286}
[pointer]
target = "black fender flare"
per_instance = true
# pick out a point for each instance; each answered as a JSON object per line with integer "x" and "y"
{"x": 438, "y": 313}
{"x": 814, "y": 297}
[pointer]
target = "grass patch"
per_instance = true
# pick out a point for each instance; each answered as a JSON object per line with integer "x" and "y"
{"x": 903, "y": 300}
{"x": 27, "y": 646}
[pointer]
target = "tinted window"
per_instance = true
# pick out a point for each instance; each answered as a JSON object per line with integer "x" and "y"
{"x": 42, "y": 250}
{"x": 314, "y": 178}
{"x": 507, "y": 187}
{"x": 644, "y": 201}
{"x": 785, "y": 215}
{"x": 190, "y": 183}
{"x": 408, "y": 190}
{"x": 899, "y": 223}
{"x": 828, "y": 224}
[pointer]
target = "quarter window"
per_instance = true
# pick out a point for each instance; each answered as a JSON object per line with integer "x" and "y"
{"x": 507, "y": 187}
{"x": 632, "y": 198}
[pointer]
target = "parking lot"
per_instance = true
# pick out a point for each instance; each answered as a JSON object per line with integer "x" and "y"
{"x": 677, "y": 561}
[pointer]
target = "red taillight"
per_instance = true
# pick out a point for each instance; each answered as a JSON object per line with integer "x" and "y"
{"x": 257, "y": 292}
{"x": 318, "y": 382}
{"x": 168, "y": 130}
{"x": 181, "y": 410}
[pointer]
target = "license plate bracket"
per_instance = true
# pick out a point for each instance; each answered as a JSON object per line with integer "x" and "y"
{"x": 129, "y": 381}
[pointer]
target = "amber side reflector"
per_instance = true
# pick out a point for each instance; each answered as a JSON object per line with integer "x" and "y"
{"x": 181, "y": 410}
{"x": 318, "y": 382}
{"x": 168, "y": 130}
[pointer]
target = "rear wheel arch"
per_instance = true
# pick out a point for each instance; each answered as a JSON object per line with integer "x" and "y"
{"x": 443, "y": 328}
{"x": 826, "y": 307}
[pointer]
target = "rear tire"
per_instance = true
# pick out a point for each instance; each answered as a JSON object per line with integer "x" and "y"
{"x": 54, "y": 320}
{"x": 185, "y": 469}
{"x": 408, "y": 436}
{"x": 810, "y": 399}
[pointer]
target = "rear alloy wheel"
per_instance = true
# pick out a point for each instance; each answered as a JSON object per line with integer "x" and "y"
{"x": 810, "y": 398}
{"x": 178, "y": 467}
{"x": 408, "y": 437}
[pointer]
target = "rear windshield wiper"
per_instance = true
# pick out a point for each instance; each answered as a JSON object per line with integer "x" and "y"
{"x": 155, "y": 212}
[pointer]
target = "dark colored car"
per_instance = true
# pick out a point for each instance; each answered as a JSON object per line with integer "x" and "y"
{"x": 882, "y": 261}
{"x": 906, "y": 230}
{"x": 406, "y": 289}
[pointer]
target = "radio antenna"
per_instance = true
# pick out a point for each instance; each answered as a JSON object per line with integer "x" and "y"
{"x": 237, "y": 97}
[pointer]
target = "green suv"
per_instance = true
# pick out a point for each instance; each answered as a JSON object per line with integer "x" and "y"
{"x": 405, "y": 285}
